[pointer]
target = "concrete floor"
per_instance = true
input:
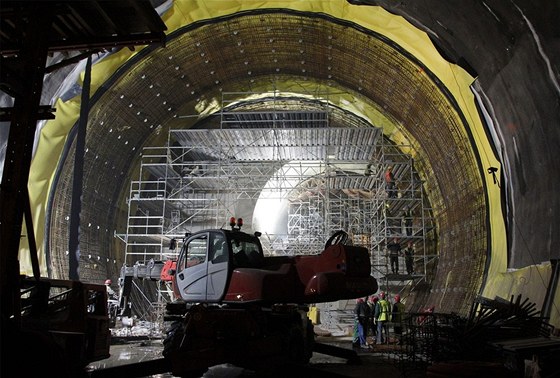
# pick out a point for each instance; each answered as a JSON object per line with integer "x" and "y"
{"x": 372, "y": 363}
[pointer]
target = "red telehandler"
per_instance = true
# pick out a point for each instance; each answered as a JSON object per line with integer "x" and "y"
{"x": 235, "y": 305}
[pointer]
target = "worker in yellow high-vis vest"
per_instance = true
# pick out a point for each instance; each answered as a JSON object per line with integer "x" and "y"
{"x": 382, "y": 316}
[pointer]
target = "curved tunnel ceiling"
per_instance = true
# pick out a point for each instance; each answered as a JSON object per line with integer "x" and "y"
{"x": 302, "y": 53}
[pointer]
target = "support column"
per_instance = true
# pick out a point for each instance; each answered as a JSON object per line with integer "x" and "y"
{"x": 13, "y": 194}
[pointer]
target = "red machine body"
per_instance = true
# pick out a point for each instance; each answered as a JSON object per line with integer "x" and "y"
{"x": 230, "y": 267}
{"x": 305, "y": 279}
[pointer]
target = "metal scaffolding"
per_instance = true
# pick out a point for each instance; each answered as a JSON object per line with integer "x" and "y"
{"x": 320, "y": 178}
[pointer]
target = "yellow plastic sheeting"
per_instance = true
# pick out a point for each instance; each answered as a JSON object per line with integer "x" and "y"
{"x": 394, "y": 27}
{"x": 52, "y": 138}
{"x": 531, "y": 283}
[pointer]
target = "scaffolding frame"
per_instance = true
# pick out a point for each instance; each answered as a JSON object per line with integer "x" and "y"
{"x": 331, "y": 178}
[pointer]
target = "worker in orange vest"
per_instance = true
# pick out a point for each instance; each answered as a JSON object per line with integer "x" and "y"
{"x": 390, "y": 184}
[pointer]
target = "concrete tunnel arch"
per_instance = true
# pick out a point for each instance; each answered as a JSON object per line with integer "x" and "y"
{"x": 121, "y": 108}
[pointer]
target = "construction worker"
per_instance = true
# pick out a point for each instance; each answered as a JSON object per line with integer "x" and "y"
{"x": 397, "y": 316}
{"x": 408, "y": 218}
{"x": 112, "y": 303}
{"x": 409, "y": 258}
{"x": 394, "y": 248}
{"x": 390, "y": 184}
{"x": 110, "y": 291}
{"x": 373, "y": 324}
{"x": 362, "y": 314}
{"x": 382, "y": 315}
{"x": 355, "y": 334}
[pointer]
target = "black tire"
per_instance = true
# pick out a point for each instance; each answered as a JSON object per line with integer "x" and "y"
{"x": 173, "y": 337}
{"x": 300, "y": 342}
{"x": 171, "y": 344}
{"x": 309, "y": 341}
{"x": 339, "y": 237}
{"x": 296, "y": 347}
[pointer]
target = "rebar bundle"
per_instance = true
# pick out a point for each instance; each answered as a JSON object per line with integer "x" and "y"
{"x": 435, "y": 338}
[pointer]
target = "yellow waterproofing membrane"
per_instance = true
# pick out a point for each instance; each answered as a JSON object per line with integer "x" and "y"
{"x": 53, "y": 135}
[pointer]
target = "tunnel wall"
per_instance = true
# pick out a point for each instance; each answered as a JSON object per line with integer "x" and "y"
{"x": 453, "y": 184}
{"x": 513, "y": 48}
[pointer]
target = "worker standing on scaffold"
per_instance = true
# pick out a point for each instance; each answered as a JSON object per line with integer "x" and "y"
{"x": 390, "y": 183}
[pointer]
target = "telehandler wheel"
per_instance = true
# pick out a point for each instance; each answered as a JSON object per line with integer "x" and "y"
{"x": 296, "y": 348}
{"x": 310, "y": 341}
{"x": 173, "y": 337}
{"x": 171, "y": 345}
